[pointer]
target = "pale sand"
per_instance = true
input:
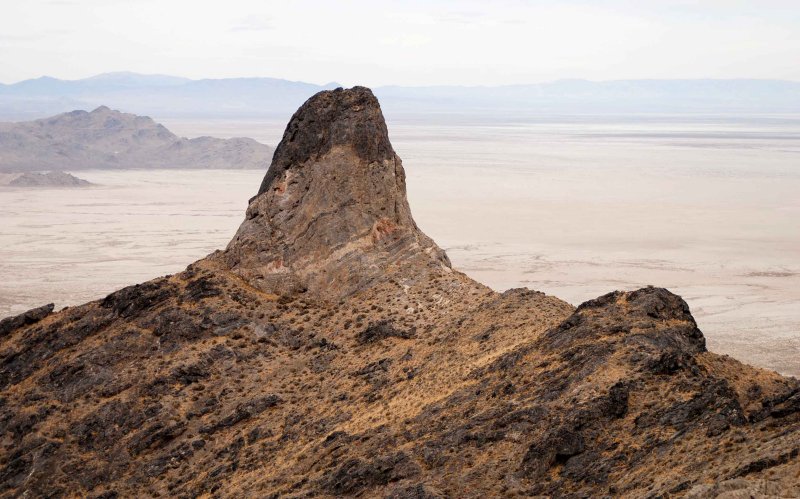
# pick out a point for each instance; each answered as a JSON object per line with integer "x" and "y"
{"x": 571, "y": 209}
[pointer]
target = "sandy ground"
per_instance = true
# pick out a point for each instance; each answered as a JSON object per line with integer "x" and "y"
{"x": 707, "y": 208}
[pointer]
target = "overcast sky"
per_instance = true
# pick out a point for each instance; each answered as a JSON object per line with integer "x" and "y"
{"x": 404, "y": 42}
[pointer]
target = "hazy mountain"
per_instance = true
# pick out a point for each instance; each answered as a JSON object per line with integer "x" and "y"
{"x": 105, "y": 138}
{"x": 155, "y": 95}
{"x": 168, "y": 96}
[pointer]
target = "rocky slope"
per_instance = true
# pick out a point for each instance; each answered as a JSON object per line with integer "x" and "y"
{"x": 105, "y": 138}
{"x": 331, "y": 351}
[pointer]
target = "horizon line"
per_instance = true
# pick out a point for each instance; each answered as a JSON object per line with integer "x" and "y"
{"x": 330, "y": 83}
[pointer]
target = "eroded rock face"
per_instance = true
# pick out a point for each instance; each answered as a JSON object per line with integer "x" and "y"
{"x": 418, "y": 382}
{"x": 331, "y": 215}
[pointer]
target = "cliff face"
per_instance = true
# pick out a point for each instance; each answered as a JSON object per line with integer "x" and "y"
{"x": 331, "y": 351}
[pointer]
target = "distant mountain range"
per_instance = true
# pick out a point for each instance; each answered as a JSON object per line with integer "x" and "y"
{"x": 109, "y": 139}
{"x": 172, "y": 97}
{"x": 154, "y": 95}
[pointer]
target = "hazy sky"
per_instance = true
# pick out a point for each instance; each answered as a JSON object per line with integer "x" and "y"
{"x": 403, "y": 42}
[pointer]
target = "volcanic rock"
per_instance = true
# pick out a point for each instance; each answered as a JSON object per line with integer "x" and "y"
{"x": 331, "y": 351}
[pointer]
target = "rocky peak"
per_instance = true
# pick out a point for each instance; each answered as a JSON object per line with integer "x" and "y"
{"x": 331, "y": 215}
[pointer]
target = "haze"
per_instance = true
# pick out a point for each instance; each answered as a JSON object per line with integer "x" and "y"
{"x": 403, "y": 43}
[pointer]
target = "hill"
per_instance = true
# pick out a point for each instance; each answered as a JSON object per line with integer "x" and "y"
{"x": 109, "y": 139}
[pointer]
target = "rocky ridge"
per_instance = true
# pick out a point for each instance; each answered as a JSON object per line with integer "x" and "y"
{"x": 332, "y": 351}
{"x": 108, "y": 139}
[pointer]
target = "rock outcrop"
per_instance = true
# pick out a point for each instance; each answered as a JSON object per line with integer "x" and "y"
{"x": 32, "y": 316}
{"x": 108, "y": 139}
{"x": 402, "y": 378}
{"x": 331, "y": 215}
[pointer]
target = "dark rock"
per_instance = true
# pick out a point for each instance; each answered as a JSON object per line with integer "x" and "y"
{"x": 104, "y": 428}
{"x": 127, "y": 302}
{"x": 32, "y": 316}
{"x": 785, "y": 405}
{"x": 587, "y": 467}
{"x": 567, "y": 444}
{"x": 355, "y": 475}
{"x": 156, "y": 435}
{"x": 381, "y": 330}
{"x": 669, "y": 363}
{"x": 624, "y": 311}
{"x": 176, "y": 325}
{"x": 486, "y": 333}
{"x": 375, "y": 371}
{"x": 618, "y": 399}
{"x": 765, "y": 463}
{"x": 716, "y": 405}
{"x": 338, "y": 437}
{"x": 350, "y": 118}
{"x": 555, "y": 448}
{"x": 200, "y": 288}
{"x": 18, "y": 363}
{"x": 243, "y": 411}
{"x": 192, "y": 373}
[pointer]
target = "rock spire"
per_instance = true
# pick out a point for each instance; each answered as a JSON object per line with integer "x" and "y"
{"x": 331, "y": 214}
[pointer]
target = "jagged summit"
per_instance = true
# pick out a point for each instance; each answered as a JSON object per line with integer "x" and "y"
{"x": 331, "y": 214}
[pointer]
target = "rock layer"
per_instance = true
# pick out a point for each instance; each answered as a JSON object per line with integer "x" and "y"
{"x": 416, "y": 382}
